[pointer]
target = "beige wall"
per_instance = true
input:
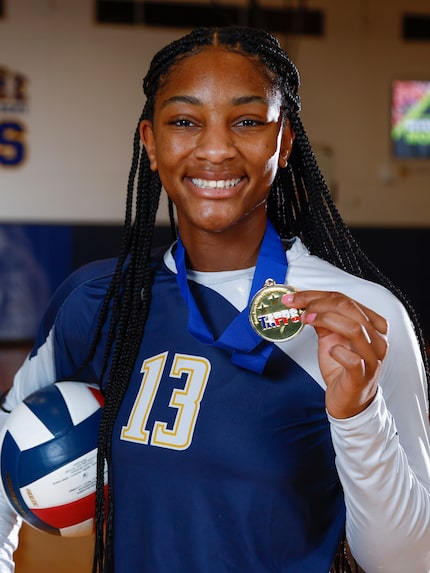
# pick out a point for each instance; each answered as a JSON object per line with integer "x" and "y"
{"x": 85, "y": 97}
{"x": 44, "y": 553}
{"x": 346, "y": 81}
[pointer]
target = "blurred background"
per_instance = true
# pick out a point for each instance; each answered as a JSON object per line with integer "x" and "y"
{"x": 70, "y": 96}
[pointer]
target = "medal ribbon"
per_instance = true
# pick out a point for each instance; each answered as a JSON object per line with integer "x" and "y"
{"x": 248, "y": 349}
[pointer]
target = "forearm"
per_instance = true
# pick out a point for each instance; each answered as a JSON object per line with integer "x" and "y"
{"x": 9, "y": 529}
{"x": 10, "y": 524}
{"x": 388, "y": 509}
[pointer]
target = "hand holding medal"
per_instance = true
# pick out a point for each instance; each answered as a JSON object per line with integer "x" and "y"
{"x": 351, "y": 346}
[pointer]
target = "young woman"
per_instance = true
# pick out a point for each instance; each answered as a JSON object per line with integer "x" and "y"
{"x": 265, "y": 397}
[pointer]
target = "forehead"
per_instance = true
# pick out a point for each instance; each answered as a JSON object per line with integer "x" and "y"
{"x": 216, "y": 68}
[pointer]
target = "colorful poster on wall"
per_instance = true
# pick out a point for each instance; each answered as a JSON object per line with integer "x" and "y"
{"x": 410, "y": 119}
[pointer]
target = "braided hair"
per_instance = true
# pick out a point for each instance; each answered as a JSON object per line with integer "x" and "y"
{"x": 299, "y": 204}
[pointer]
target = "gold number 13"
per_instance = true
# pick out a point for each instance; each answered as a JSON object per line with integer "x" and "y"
{"x": 186, "y": 401}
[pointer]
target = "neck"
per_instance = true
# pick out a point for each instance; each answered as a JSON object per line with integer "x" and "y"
{"x": 233, "y": 249}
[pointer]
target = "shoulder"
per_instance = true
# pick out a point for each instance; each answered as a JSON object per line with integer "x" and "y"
{"x": 80, "y": 294}
{"x": 403, "y": 361}
{"x": 309, "y": 272}
{"x": 95, "y": 275}
{"x": 77, "y": 301}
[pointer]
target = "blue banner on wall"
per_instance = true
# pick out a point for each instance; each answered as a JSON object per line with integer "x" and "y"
{"x": 34, "y": 259}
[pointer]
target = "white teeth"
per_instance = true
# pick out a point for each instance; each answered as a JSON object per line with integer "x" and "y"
{"x": 212, "y": 184}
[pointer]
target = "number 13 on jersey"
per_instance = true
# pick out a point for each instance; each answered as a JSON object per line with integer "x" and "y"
{"x": 187, "y": 401}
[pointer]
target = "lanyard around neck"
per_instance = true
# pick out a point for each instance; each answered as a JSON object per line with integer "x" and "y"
{"x": 248, "y": 349}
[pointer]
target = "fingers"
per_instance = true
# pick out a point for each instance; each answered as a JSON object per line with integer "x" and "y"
{"x": 357, "y": 329}
{"x": 337, "y": 311}
{"x": 351, "y": 346}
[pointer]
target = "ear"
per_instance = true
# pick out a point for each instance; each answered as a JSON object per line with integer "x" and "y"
{"x": 286, "y": 144}
{"x": 147, "y": 137}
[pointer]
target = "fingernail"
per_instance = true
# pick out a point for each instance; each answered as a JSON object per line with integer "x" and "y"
{"x": 309, "y": 317}
{"x": 288, "y": 298}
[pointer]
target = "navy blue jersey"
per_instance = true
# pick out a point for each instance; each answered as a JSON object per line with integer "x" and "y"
{"x": 216, "y": 468}
{"x": 220, "y": 469}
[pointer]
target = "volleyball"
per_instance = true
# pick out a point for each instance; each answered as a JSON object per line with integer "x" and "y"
{"x": 48, "y": 458}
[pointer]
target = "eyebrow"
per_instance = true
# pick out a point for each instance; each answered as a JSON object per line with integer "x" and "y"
{"x": 181, "y": 99}
{"x": 192, "y": 100}
{"x": 249, "y": 99}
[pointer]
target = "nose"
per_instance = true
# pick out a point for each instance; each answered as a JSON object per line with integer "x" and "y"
{"x": 215, "y": 144}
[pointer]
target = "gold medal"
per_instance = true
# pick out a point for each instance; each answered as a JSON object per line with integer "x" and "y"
{"x": 269, "y": 316}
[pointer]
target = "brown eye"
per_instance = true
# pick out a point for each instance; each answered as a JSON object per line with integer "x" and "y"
{"x": 181, "y": 123}
{"x": 249, "y": 123}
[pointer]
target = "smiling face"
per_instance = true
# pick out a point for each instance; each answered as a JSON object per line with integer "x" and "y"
{"x": 216, "y": 140}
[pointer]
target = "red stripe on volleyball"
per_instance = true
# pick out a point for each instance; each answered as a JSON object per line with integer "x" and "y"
{"x": 97, "y": 395}
{"x": 68, "y": 514}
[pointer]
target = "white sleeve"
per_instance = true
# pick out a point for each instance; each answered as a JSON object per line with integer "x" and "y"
{"x": 9, "y": 527}
{"x": 383, "y": 460}
{"x": 36, "y": 372}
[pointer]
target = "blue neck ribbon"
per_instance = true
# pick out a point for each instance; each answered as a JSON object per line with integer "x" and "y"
{"x": 248, "y": 349}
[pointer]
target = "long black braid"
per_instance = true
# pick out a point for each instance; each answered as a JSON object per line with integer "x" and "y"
{"x": 299, "y": 205}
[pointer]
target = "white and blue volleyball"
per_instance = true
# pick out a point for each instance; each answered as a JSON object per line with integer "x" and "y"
{"x": 48, "y": 458}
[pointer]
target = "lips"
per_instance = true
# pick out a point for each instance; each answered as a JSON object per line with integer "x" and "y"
{"x": 216, "y": 184}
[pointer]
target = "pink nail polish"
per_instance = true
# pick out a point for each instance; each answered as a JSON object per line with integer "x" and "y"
{"x": 288, "y": 298}
{"x": 309, "y": 317}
